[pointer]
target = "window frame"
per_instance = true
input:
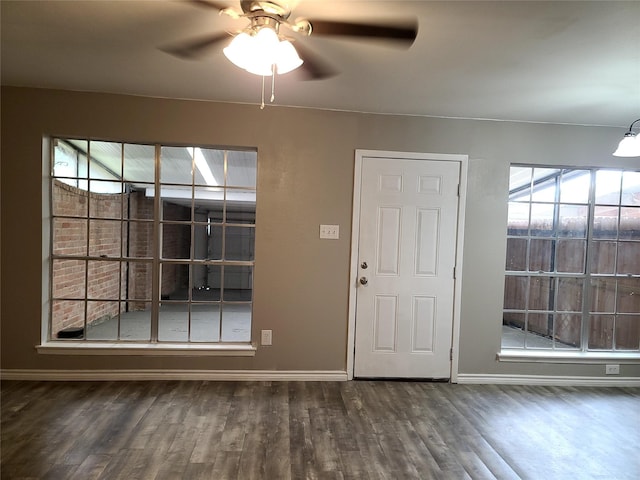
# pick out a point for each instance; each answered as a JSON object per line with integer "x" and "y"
{"x": 84, "y": 346}
{"x": 583, "y": 353}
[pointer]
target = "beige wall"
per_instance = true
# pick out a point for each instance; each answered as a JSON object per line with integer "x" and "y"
{"x": 305, "y": 178}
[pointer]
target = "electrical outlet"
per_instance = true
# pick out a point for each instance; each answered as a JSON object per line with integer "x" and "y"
{"x": 612, "y": 369}
{"x": 330, "y": 232}
{"x": 267, "y": 337}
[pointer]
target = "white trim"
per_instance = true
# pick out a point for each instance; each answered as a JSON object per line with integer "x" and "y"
{"x": 202, "y": 375}
{"x": 568, "y": 381}
{"x": 546, "y": 356}
{"x": 355, "y": 240}
{"x": 155, "y": 349}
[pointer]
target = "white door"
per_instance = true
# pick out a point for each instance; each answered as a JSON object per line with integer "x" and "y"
{"x": 406, "y": 257}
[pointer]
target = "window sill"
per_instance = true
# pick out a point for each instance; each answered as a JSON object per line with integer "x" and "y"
{"x": 541, "y": 356}
{"x": 146, "y": 349}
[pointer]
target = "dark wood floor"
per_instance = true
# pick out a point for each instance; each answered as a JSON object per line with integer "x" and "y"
{"x": 324, "y": 430}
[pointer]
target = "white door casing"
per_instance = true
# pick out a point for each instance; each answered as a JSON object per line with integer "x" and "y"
{"x": 407, "y": 229}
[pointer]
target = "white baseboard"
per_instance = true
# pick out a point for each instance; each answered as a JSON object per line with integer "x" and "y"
{"x": 212, "y": 375}
{"x": 568, "y": 381}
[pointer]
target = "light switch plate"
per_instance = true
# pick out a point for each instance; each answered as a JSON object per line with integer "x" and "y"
{"x": 330, "y": 232}
{"x": 266, "y": 337}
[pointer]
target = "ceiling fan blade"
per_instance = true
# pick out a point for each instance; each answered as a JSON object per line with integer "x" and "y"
{"x": 209, "y": 4}
{"x": 404, "y": 33}
{"x": 313, "y": 67}
{"x": 195, "y": 48}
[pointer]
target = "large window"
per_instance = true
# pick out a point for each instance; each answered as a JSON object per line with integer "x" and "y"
{"x": 151, "y": 243}
{"x": 573, "y": 260}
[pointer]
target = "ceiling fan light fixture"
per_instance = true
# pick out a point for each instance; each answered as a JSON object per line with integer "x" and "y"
{"x": 258, "y": 52}
{"x": 287, "y": 57}
{"x": 629, "y": 146}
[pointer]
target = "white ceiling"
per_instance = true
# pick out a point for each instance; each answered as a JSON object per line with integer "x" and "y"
{"x": 560, "y": 62}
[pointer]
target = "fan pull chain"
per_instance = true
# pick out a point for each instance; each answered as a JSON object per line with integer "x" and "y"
{"x": 273, "y": 82}
{"x": 273, "y": 86}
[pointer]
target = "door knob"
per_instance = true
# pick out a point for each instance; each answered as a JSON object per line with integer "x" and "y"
{"x": 363, "y": 280}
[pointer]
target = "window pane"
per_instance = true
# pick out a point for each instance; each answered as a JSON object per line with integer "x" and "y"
{"x": 245, "y": 214}
{"x": 628, "y": 258}
{"x": 140, "y": 206}
{"x": 568, "y": 330}
{"x": 209, "y": 166}
{"x": 69, "y": 236}
{"x": 105, "y": 238}
{"x": 630, "y": 188}
{"x": 608, "y": 187}
{"x": 139, "y": 283}
{"x": 205, "y": 322}
{"x": 201, "y": 242}
{"x": 177, "y": 210}
{"x": 68, "y": 279}
{"x": 575, "y": 186}
{"x": 209, "y": 199}
{"x": 173, "y": 322}
{"x": 630, "y": 223}
{"x": 605, "y": 223}
{"x": 105, "y": 160}
{"x": 103, "y": 280}
{"x": 516, "y": 254}
{"x": 214, "y": 277}
{"x": 79, "y": 149}
{"x": 539, "y": 330}
{"x": 236, "y": 322}
{"x": 542, "y": 220}
{"x": 628, "y": 332}
{"x": 175, "y": 281}
{"x": 571, "y": 256}
{"x": 214, "y": 243}
{"x": 569, "y": 295}
{"x": 140, "y": 244}
{"x": 541, "y": 293}
{"x": 68, "y": 201}
{"x": 519, "y": 179}
{"x": 603, "y": 257}
{"x": 66, "y": 314}
{"x": 515, "y": 292}
{"x": 572, "y": 221}
{"x": 102, "y": 320}
{"x": 518, "y": 219}
{"x": 135, "y": 321}
{"x": 241, "y": 169}
{"x": 139, "y": 163}
{"x": 176, "y": 164}
{"x": 65, "y": 160}
{"x": 176, "y": 240}
{"x": 237, "y": 283}
{"x": 628, "y": 299}
{"x": 601, "y": 332}
{"x": 513, "y": 319}
{"x": 104, "y": 205}
{"x": 545, "y": 184}
{"x": 603, "y": 295}
{"x": 541, "y": 255}
{"x": 239, "y": 243}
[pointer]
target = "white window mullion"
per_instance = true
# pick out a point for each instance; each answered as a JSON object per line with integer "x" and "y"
{"x": 156, "y": 249}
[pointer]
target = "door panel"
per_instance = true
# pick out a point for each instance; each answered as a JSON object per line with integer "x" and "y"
{"x": 407, "y": 238}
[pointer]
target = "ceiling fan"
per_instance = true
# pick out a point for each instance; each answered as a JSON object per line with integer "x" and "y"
{"x": 268, "y": 17}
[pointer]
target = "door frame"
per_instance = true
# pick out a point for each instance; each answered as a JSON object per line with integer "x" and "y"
{"x": 360, "y": 154}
